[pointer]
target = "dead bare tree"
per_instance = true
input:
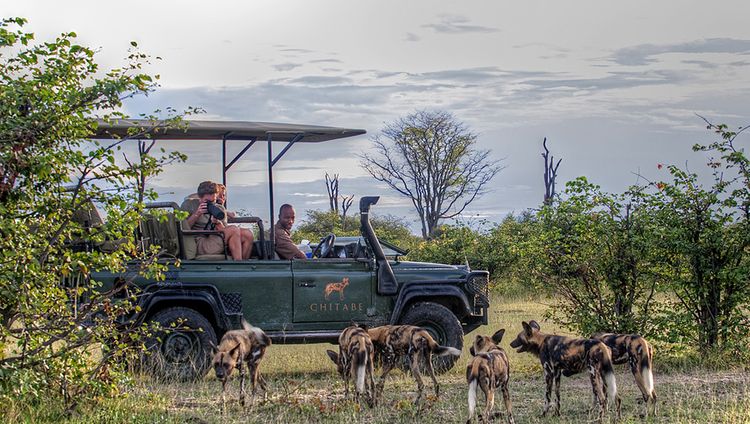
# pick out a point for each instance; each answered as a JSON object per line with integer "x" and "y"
{"x": 332, "y": 187}
{"x": 432, "y": 159}
{"x": 346, "y": 203}
{"x": 550, "y": 173}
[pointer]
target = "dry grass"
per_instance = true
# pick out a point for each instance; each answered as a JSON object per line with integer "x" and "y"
{"x": 303, "y": 387}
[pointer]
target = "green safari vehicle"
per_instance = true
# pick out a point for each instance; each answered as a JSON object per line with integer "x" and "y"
{"x": 293, "y": 301}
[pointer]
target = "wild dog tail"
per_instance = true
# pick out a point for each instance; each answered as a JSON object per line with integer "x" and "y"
{"x": 646, "y": 355}
{"x": 260, "y": 335}
{"x": 472, "y": 377}
{"x": 437, "y": 349}
{"x": 472, "y": 398}
{"x": 608, "y": 375}
{"x": 360, "y": 359}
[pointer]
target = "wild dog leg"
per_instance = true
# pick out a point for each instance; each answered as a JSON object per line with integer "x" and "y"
{"x": 344, "y": 358}
{"x": 414, "y": 364}
{"x": 600, "y": 399}
{"x": 255, "y": 381}
{"x": 549, "y": 379}
{"x": 489, "y": 395}
{"x": 389, "y": 362}
{"x": 224, "y": 391}
{"x": 371, "y": 378}
{"x": 506, "y": 400}
{"x": 558, "y": 374}
{"x": 431, "y": 369}
{"x": 242, "y": 371}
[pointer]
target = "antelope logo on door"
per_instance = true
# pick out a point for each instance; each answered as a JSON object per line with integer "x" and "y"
{"x": 337, "y": 287}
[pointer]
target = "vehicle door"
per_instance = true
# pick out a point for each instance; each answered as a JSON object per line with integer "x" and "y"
{"x": 332, "y": 290}
{"x": 260, "y": 290}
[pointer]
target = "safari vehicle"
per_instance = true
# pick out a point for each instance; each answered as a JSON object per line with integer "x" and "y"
{"x": 294, "y": 301}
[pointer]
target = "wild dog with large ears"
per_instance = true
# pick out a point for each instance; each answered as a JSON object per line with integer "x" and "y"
{"x": 355, "y": 360}
{"x": 567, "y": 356}
{"x": 637, "y": 352}
{"x": 237, "y": 349}
{"x": 489, "y": 370}
{"x": 394, "y": 342}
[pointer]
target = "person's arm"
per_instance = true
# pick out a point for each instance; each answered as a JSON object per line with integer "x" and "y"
{"x": 202, "y": 209}
{"x": 285, "y": 247}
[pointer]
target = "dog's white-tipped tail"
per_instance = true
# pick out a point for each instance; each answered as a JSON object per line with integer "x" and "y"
{"x": 361, "y": 372}
{"x": 472, "y": 398}
{"x": 609, "y": 380}
{"x": 447, "y": 350}
{"x": 649, "y": 377}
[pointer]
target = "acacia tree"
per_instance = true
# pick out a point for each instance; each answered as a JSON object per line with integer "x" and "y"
{"x": 431, "y": 158}
{"x": 53, "y": 317}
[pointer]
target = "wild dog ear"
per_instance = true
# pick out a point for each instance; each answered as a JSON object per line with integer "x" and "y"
{"x": 236, "y": 350}
{"x": 527, "y": 328}
{"x": 472, "y": 351}
{"x": 534, "y": 325}
{"x": 334, "y": 356}
{"x": 498, "y": 336}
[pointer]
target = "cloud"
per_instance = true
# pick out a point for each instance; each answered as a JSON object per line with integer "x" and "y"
{"x": 612, "y": 80}
{"x": 326, "y": 61}
{"x": 702, "y": 63}
{"x": 410, "y": 36}
{"x": 286, "y": 49}
{"x": 456, "y": 24}
{"x": 282, "y": 67}
{"x": 643, "y": 54}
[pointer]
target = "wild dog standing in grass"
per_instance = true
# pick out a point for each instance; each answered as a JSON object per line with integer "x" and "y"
{"x": 567, "y": 356}
{"x": 416, "y": 344}
{"x": 239, "y": 347}
{"x": 489, "y": 369}
{"x": 356, "y": 360}
{"x": 637, "y": 352}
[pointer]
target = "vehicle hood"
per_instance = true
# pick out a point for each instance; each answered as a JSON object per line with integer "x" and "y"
{"x": 412, "y": 271}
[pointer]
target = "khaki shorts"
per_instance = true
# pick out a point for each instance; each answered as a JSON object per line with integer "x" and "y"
{"x": 210, "y": 245}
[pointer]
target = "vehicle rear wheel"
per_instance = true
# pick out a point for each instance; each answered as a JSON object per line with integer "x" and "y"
{"x": 442, "y": 324}
{"x": 180, "y": 349}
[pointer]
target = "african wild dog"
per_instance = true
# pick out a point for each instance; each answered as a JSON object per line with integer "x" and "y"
{"x": 490, "y": 370}
{"x": 637, "y": 352}
{"x": 237, "y": 347}
{"x": 416, "y": 344}
{"x": 567, "y": 356}
{"x": 356, "y": 360}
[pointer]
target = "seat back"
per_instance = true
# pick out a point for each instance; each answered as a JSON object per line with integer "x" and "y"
{"x": 160, "y": 229}
{"x": 87, "y": 216}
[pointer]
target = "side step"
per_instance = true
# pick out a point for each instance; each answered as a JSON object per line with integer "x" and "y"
{"x": 293, "y": 337}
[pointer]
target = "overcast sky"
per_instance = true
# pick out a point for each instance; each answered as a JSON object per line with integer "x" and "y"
{"x": 614, "y": 86}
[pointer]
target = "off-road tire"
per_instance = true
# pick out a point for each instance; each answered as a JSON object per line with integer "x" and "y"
{"x": 180, "y": 350}
{"x": 442, "y": 325}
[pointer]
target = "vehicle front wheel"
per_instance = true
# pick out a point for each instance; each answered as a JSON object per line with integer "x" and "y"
{"x": 442, "y": 324}
{"x": 180, "y": 348}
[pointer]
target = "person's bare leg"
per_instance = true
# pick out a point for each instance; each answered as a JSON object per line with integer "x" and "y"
{"x": 232, "y": 235}
{"x": 247, "y": 242}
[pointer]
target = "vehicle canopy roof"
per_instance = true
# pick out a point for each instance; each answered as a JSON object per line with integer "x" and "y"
{"x": 223, "y": 130}
{"x": 247, "y": 131}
